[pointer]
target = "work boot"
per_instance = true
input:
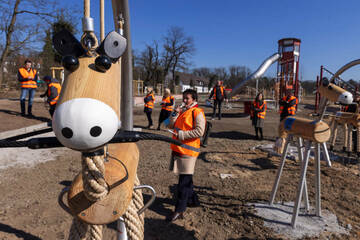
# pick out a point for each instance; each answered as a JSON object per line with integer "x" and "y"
{"x": 30, "y": 112}
{"x": 22, "y": 105}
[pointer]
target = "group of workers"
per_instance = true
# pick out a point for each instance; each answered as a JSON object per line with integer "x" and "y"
{"x": 28, "y": 79}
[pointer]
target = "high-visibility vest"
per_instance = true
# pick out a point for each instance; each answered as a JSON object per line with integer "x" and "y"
{"x": 185, "y": 122}
{"x": 28, "y": 74}
{"x": 291, "y": 110}
{"x": 221, "y": 90}
{"x": 167, "y": 100}
{"x": 58, "y": 87}
{"x": 263, "y": 107}
{"x": 150, "y": 104}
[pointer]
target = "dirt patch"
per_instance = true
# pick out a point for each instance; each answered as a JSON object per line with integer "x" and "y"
{"x": 29, "y": 208}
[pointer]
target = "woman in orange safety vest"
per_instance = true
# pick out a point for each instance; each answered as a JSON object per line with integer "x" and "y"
{"x": 167, "y": 105}
{"x": 188, "y": 122}
{"x": 149, "y": 101}
{"x": 52, "y": 93}
{"x": 258, "y": 113}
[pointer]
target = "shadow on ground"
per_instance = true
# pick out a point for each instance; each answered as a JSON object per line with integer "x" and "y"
{"x": 235, "y": 135}
{"x": 10, "y": 112}
{"x": 17, "y": 232}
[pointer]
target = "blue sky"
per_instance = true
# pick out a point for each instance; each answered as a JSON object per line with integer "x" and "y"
{"x": 239, "y": 32}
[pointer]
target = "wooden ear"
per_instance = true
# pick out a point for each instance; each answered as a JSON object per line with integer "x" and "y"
{"x": 113, "y": 46}
{"x": 66, "y": 44}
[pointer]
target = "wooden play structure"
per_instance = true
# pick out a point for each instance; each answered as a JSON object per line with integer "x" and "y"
{"x": 348, "y": 121}
{"x": 61, "y": 73}
{"x": 316, "y": 133}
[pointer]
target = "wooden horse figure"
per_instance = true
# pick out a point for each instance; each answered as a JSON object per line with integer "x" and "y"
{"x": 86, "y": 118}
{"x": 348, "y": 120}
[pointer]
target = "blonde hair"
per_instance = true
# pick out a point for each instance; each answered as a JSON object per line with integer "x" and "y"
{"x": 167, "y": 91}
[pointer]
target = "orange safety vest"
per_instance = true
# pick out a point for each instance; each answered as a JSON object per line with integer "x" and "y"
{"x": 291, "y": 110}
{"x": 25, "y": 74}
{"x": 186, "y": 122}
{"x": 58, "y": 87}
{"x": 150, "y": 104}
{"x": 221, "y": 89}
{"x": 167, "y": 100}
{"x": 263, "y": 107}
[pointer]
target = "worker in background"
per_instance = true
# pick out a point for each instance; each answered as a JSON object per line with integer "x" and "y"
{"x": 27, "y": 76}
{"x": 287, "y": 105}
{"x": 52, "y": 93}
{"x": 188, "y": 124}
{"x": 218, "y": 94}
{"x": 149, "y": 101}
{"x": 167, "y": 105}
{"x": 258, "y": 112}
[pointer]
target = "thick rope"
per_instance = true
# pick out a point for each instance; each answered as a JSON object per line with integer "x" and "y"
{"x": 135, "y": 223}
{"x": 78, "y": 230}
{"x": 95, "y": 189}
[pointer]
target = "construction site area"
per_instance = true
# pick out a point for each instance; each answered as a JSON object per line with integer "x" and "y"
{"x": 232, "y": 172}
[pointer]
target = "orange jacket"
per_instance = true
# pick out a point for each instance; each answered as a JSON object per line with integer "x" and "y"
{"x": 185, "y": 122}
{"x": 222, "y": 92}
{"x": 27, "y": 78}
{"x": 149, "y": 100}
{"x": 262, "y": 108}
{"x": 166, "y": 101}
{"x": 51, "y": 92}
{"x": 290, "y": 105}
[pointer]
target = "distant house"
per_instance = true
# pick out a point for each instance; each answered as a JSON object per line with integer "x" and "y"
{"x": 200, "y": 84}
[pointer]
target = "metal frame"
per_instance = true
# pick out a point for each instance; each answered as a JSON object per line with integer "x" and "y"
{"x": 302, "y": 193}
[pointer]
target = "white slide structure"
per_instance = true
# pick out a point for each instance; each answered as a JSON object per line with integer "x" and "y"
{"x": 258, "y": 73}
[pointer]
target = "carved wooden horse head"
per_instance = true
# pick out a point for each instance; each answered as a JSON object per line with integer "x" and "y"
{"x": 87, "y": 117}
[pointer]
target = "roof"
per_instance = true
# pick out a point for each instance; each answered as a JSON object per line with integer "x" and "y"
{"x": 185, "y": 79}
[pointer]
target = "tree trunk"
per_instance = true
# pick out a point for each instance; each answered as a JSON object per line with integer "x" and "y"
{"x": 9, "y": 31}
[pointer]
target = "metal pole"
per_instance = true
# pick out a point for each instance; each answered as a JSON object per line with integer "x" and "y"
{"x": 121, "y": 229}
{"x": 127, "y": 101}
{"x": 304, "y": 165}
{"x": 301, "y": 157}
{"x": 326, "y": 154}
{"x": 317, "y": 182}
{"x": 281, "y": 167}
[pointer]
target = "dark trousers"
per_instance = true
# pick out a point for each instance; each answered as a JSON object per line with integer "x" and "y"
{"x": 185, "y": 193}
{"x": 148, "y": 112}
{"x": 164, "y": 114}
{"x": 52, "y": 109}
{"x": 217, "y": 103}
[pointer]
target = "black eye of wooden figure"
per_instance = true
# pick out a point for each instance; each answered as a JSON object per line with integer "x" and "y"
{"x": 102, "y": 63}
{"x": 70, "y": 63}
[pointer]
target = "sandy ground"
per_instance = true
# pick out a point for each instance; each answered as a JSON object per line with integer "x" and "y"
{"x": 29, "y": 208}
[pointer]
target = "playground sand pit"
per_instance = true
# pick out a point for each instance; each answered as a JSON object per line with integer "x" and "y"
{"x": 29, "y": 208}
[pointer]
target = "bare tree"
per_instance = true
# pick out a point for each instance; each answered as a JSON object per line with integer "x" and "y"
{"x": 178, "y": 48}
{"x": 150, "y": 62}
{"x": 22, "y": 22}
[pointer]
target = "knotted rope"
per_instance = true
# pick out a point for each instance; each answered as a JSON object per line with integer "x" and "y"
{"x": 95, "y": 189}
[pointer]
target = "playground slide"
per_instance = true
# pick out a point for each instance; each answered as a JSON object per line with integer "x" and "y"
{"x": 258, "y": 73}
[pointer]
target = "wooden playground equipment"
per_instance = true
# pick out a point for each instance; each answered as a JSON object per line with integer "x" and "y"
{"x": 315, "y": 132}
{"x": 61, "y": 73}
{"x": 349, "y": 121}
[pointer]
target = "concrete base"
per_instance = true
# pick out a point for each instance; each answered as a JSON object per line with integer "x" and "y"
{"x": 278, "y": 217}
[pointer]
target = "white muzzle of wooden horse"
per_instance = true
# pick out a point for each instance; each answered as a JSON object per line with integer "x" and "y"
{"x": 84, "y": 123}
